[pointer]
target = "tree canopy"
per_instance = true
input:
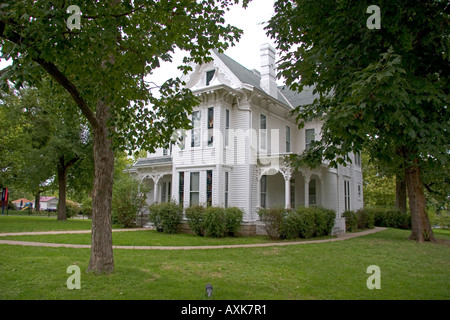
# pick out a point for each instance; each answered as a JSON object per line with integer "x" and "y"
{"x": 382, "y": 89}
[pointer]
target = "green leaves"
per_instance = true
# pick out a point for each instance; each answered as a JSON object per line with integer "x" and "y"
{"x": 382, "y": 89}
{"x": 117, "y": 46}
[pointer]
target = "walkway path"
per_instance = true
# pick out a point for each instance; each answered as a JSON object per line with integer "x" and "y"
{"x": 340, "y": 237}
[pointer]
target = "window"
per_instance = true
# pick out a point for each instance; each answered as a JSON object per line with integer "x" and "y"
{"x": 358, "y": 159}
{"x": 227, "y": 128}
{"x": 196, "y": 129}
{"x": 312, "y": 192}
{"x": 309, "y": 137}
{"x": 347, "y": 195}
{"x": 263, "y": 191}
{"x": 359, "y": 191}
{"x": 209, "y": 76}
{"x": 210, "y": 126}
{"x": 288, "y": 139}
{"x": 166, "y": 191}
{"x": 181, "y": 189}
{"x": 209, "y": 183}
{"x": 226, "y": 189}
{"x": 167, "y": 151}
{"x": 263, "y": 133}
{"x": 194, "y": 189}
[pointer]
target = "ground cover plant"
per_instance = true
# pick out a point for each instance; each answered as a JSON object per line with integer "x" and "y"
{"x": 331, "y": 270}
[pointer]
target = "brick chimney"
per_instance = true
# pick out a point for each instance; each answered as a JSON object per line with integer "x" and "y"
{"x": 268, "y": 75}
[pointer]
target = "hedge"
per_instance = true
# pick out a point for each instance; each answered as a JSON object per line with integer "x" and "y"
{"x": 166, "y": 216}
{"x": 368, "y": 218}
{"x": 214, "y": 221}
{"x": 305, "y": 222}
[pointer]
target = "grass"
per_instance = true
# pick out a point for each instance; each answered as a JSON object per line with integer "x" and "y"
{"x": 332, "y": 270}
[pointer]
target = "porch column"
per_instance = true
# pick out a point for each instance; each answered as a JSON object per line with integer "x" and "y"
{"x": 287, "y": 173}
{"x": 287, "y": 192}
{"x": 307, "y": 177}
{"x": 156, "y": 188}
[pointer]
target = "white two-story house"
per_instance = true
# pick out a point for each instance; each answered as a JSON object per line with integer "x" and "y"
{"x": 234, "y": 155}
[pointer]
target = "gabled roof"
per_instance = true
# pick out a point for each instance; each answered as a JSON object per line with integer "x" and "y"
{"x": 285, "y": 95}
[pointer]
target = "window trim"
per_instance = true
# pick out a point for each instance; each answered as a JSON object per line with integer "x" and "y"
{"x": 288, "y": 139}
{"x": 196, "y": 130}
{"x": 262, "y": 132}
{"x": 191, "y": 191}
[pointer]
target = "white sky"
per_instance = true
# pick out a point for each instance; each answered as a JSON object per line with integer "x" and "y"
{"x": 245, "y": 52}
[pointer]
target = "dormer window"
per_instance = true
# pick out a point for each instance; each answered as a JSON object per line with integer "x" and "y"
{"x": 209, "y": 76}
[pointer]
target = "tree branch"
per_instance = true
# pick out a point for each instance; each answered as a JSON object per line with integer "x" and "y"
{"x": 56, "y": 74}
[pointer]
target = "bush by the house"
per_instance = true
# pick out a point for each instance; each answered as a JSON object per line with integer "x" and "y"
{"x": 290, "y": 225}
{"x": 195, "y": 216}
{"x": 305, "y": 222}
{"x": 351, "y": 221}
{"x": 233, "y": 220}
{"x": 324, "y": 219}
{"x": 273, "y": 219}
{"x": 166, "y": 216}
{"x": 214, "y": 221}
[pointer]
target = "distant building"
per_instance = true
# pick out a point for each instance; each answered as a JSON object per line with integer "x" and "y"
{"x": 47, "y": 203}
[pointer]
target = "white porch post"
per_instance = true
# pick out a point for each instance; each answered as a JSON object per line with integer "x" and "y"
{"x": 287, "y": 173}
{"x": 307, "y": 177}
{"x": 287, "y": 192}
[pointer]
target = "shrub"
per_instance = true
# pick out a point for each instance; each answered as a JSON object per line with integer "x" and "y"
{"x": 86, "y": 207}
{"x": 272, "y": 218}
{"x": 366, "y": 219}
{"x": 233, "y": 220}
{"x": 324, "y": 219}
{"x": 351, "y": 220}
{"x": 127, "y": 201}
{"x": 195, "y": 216}
{"x": 166, "y": 216}
{"x": 214, "y": 223}
{"x": 307, "y": 222}
{"x": 72, "y": 209}
{"x": 390, "y": 218}
{"x": 290, "y": 225}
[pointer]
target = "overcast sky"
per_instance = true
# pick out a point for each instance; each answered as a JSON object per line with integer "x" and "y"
{"x": 246, "y": 52}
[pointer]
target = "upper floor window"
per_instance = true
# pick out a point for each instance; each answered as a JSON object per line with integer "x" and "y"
{"x": 309, "y": 137}
{"x": 210, "y": 126}
{"x": 209, "y": 76}
{"x": 358, "y": 159}
{"x": 263, "y": 132}
{"x": 288, "y": 139}
{"x": 227, "y": 127}
{"x": 196, "y": 129}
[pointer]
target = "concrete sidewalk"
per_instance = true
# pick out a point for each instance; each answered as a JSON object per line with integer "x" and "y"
{"x": 340, "y": 237}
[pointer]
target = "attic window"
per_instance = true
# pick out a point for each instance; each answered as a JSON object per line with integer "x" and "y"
{"x": 209, "y": 76}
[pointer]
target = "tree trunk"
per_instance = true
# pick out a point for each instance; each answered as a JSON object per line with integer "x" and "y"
{"x": 102, "y": 260}
{"x": 62, "y": 192}
{"x": 400, "y": 193}
{"x": 37, "y": 201}
{"x": 421, "y": 228}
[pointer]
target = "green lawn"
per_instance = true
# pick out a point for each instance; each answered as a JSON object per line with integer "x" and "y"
{"x": 334, "y": 270}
